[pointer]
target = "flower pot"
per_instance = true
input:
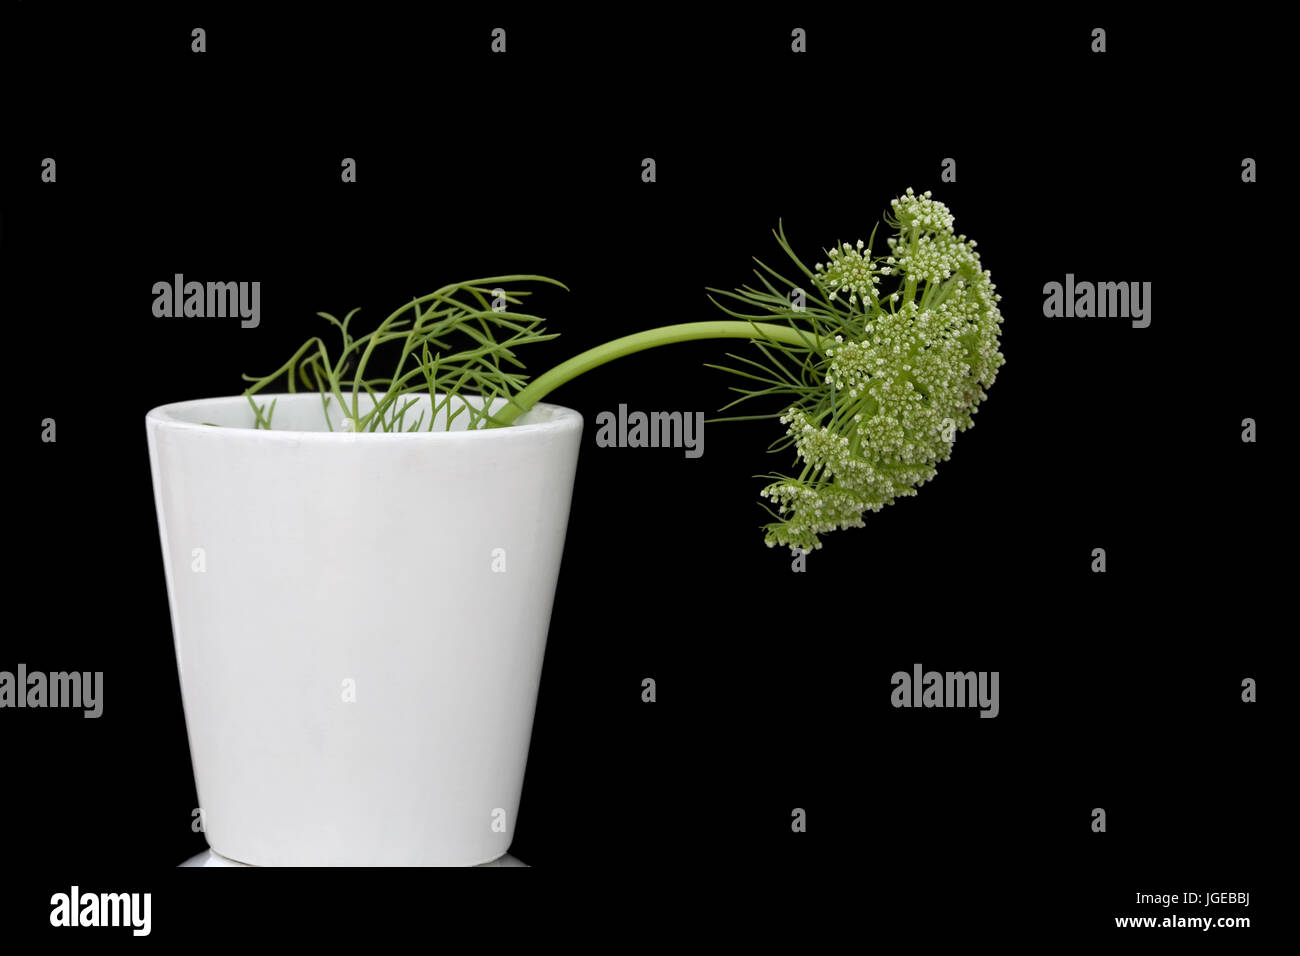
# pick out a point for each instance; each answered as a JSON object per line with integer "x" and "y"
{"x": 359, "y": 622}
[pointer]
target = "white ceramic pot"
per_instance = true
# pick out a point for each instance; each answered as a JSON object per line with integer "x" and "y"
{"x": 359, "y": 623}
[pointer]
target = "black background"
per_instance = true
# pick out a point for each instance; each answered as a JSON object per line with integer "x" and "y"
{"x": 1119, "y": 690}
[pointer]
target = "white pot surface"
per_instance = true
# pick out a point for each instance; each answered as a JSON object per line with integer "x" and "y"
{"x": 359, "y": 623}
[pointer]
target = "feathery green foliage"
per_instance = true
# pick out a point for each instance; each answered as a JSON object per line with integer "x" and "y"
{"x": 458, "y": 339}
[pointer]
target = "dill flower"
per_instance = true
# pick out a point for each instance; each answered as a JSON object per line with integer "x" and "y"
{"x": 880, "y": 387}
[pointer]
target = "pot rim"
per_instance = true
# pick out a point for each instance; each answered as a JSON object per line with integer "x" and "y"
{"x": 549, "y": 418}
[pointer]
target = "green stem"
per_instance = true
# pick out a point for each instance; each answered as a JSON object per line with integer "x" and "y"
{"x": 545, "y": 383}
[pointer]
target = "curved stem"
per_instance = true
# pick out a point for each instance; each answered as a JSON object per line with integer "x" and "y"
{"x": 545, "y": 383}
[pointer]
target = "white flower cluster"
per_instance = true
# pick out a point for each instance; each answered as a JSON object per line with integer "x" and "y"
{"x": 928, "y": 258}
{"x": 911, "y": 211}
{"x": 902, "y": 392}
{"x": 925, "y": 248}
{"x": 849, "y": 270}
{"x": 850, "y": 365}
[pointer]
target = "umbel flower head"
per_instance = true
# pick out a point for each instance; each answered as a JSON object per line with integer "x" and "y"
{"x": 882, "y": 382}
